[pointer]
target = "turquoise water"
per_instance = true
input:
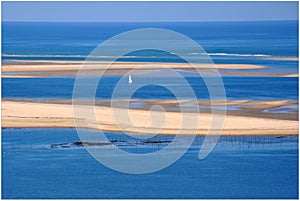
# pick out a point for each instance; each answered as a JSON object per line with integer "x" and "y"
{"x": 239, "y": 167}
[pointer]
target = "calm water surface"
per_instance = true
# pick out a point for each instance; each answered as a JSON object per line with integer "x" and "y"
{"x": 239, "y": 167}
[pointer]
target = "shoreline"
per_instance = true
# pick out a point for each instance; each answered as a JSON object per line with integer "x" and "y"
{"x": 43, "y": 115}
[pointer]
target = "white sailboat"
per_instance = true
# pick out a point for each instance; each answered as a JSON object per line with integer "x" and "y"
{"x": 129, "y": 79}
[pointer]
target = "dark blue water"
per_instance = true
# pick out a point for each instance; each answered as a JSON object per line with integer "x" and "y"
{"x": 239, "y": 167}
{"x": 78, "y": 39}
{"x": 253, "y": 88}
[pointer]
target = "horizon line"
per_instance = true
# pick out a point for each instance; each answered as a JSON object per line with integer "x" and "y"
{"x": 151, "y": 21}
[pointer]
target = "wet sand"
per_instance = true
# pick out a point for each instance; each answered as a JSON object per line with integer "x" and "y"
{"x": 29, "y": 114}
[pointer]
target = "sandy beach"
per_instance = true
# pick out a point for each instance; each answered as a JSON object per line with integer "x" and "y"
{"x": 28, "y": 114}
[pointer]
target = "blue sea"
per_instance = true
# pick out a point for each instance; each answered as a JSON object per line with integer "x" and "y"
{"x": 76, "y": 40}
{"x": 239, "y": 167}
{"x": 237, "y": 88}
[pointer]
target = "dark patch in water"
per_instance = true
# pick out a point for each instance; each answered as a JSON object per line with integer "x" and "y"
{"x": 79, "y": 144}
{"x": 125, "y": 143}
{"x": 156, "y": 141}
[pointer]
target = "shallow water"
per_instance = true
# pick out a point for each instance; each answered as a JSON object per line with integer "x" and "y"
{"x": 239, "y": 167}
{"x": 289, "y": 109}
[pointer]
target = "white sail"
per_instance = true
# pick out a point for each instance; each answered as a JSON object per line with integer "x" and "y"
{"x": 129, "y": 79}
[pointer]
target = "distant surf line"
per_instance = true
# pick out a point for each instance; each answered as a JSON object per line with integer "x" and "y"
{"x": 126, "y": 56}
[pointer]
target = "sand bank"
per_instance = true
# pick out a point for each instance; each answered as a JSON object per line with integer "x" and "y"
{"x": 269, "y": 109}
{"x": 28, "y": 114}
{"x": 55, "y": 69}
{"x": 40, "y": 69}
